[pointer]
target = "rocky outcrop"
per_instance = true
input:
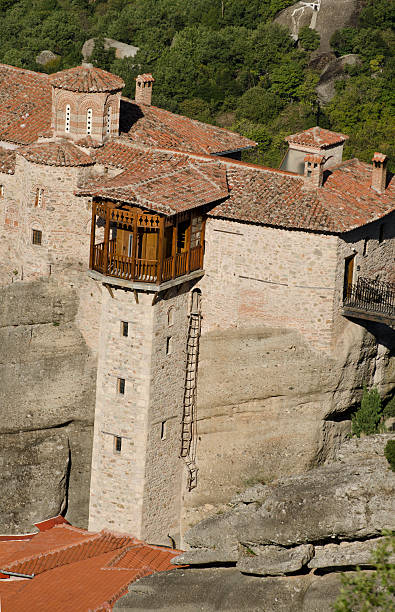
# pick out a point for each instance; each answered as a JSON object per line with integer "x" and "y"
{"x": 269, "y": 406}
{"x": 285, "y": 541}
{"x": 45, "y": 57}
{"x": 47, "y": 395}
{"x": 122, "y": 50}
{"x": 324, "y": 16}
{"x": 332, "y": 72}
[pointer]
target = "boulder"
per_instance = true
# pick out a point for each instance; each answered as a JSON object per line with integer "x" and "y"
{"x": 275, "y": 560}
{"x": 122, "y": 50}
{"x": 345, "y": 554}
{"x": 346, "y": 500}
{"x": 45, "y": 57}
{"x": 332, "y": 72}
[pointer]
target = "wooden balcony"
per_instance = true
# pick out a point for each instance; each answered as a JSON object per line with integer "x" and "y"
{"x": 370, "y": 299}
{"x": 147, "y": 248}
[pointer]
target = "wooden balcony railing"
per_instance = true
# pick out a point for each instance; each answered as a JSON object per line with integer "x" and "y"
{"x": 144, "y": 270}
{"x": 368, "y": 295}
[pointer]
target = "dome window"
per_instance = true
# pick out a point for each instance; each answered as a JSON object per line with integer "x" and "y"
{"x": 89, "y": 114}
{"x": 67, "y": 119}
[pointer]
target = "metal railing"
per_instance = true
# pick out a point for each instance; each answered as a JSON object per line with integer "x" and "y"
{"x": 371, "y": 295}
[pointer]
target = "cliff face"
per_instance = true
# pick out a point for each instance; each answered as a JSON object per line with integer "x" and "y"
{"x": 47, "y": 396}
{"x": 269, "y": 406}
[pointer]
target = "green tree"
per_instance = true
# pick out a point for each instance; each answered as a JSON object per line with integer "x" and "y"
{"x": 367, "y": 418}
{"x": 258, "y": 105}
{"x": 309, "y": 39}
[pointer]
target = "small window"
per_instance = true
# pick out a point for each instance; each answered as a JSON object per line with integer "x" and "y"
{"x": 163, "y": 430}
{"x": 1, "y": 191}
{"x": 170, "y": 317}
{"x": 381, "y": 233}
{"x": 121, "y": 386}
{"x": 89, "y": 115}
{"x": 168, "y": 345}
{"x": 117, "y": 444}
{"x": 67, "y": 119}
{"x": 39, "y": 197}
{"x": 108, "y": 126}
{"x": 366, "y": 246}
{"x": 37, "y": 237}
{"x": 124, "y": 329}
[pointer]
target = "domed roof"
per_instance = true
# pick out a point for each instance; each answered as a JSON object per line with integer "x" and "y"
{"x": 55, "y": 154}
{"x": 86, "y": 79}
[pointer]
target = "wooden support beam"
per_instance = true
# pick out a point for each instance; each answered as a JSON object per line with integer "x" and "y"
{"x": 174, "y": 249}
{"x": 109, "y": 289}
{"x": 202, "y": 234}
{"x": 136, "y": 295}
{"x": 189, "y": 238}
{"x": 161, "y": 248}
{"x": 93, "y": 236}
{"x": 134, "y": 247}
{"x": 106, "y": 241}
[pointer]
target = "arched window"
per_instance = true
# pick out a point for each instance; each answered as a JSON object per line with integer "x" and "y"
{"x": 67, "y": 119}
{"x": 108, "y": 126}
{"x": 170, "y": 316}
{"x": 89, "y": 114}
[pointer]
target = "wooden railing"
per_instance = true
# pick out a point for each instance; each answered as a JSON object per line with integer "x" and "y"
{"x": 121, "y": 266}
{"x": 371, "y": 295}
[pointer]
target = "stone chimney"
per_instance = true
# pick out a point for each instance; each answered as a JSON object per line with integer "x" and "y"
{"x": 379, "y": 174}
{"x": 314, "y": 170}
{"x": 144, "y": 88}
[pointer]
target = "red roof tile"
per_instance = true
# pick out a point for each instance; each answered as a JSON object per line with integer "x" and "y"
{"x": 147, "y": 78}
{"x": 7, "y": 161}
{"x": 154, "y": 127}
{"x": 93, "y": 579}
{"x": 55, "y": 154}
{"x": 345, "y": 201}
{"x": 379, "y": 157}
{"x": 162, "y": 182}
{"x": 317, "y": 137}
{"x": 314, "y": 159}
{"x": 25, "y": 105}
{"x": 86, "y": 79}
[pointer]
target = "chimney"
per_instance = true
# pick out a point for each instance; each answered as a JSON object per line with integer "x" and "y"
{"x": 314, "y": 169}
{"x": 144, "y": 88}
{"x": 379, "y": 173}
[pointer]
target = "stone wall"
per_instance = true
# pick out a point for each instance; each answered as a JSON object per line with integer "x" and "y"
{"x": 259, "y": 275}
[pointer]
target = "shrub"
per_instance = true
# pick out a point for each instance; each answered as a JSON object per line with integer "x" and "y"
{"x": 308, "y": 38}
{"x": 389, "y": 453}
{"x": 389, "y": 410}
{"x": 367, "y": 418}
{"x": 373, "y": 591}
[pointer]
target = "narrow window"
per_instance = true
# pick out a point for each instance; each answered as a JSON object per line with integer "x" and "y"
{"x": 1, "y": 191}
{"x": 117, "y": 444}
{"x": 89, "y": 121}
{"x": 67, "y": 119}
{"x": 163, "y": 430}
{"x": 108, "y": 127}
{"x": 39, "y": 198}
{"x": 381, "y": 233}
{"x": 37, "y": 237}
{"x": 121, "y": 386}
{"x": 124, "y": 328}
{"x": 168, "y": 345}
{"x": 170, "y": 317}
{"x": 366, "y": 246}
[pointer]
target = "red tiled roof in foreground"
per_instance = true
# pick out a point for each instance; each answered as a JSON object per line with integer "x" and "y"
{"x": 317, "y": 137}
{"x": 55, "y": 154}
{"x": 86, "y": 576}
{"x": 7, "y": 161}
{"x": 151, "y": 126}
{"x": 86, "y": 79}
{"x": 162, "y": 182}
{"x": 25, "y": 105}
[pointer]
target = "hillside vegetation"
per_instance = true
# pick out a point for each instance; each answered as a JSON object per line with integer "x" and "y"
{"x": 224, "y": 62}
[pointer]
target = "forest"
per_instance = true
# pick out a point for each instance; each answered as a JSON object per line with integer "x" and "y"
{"x": 224, "y": 62}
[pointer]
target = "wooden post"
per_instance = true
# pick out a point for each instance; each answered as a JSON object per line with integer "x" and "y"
{"x": 161, "y": 248}
{"x": 93, "y": 236}
{"x": 174, "y": 249}
{"x": 202, "y": 243}
{"x": 106, "y": 241}
{"x": 134, "y": 245}
{"x": 189, "y": 245}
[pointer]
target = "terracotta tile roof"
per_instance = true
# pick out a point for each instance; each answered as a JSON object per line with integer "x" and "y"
{"x": 89, "y": 143}
{"x": 147, "y": 78}
{"x": 55, "y": 154}
{"x": 154, "y": 127}
{"x": 91, "y": 580}
{"x": 345, "y": 201}
{"x": 7, "y": 161}
{"x": 314, "y": 159}
{"x": 162, "y": 182}
{"x": 317, "y": 137}
{"x": 25, "y": 105}
{"x": 86, "y": 79}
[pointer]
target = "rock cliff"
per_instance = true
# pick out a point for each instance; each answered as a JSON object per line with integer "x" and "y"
{"x": 280, "y": 547}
